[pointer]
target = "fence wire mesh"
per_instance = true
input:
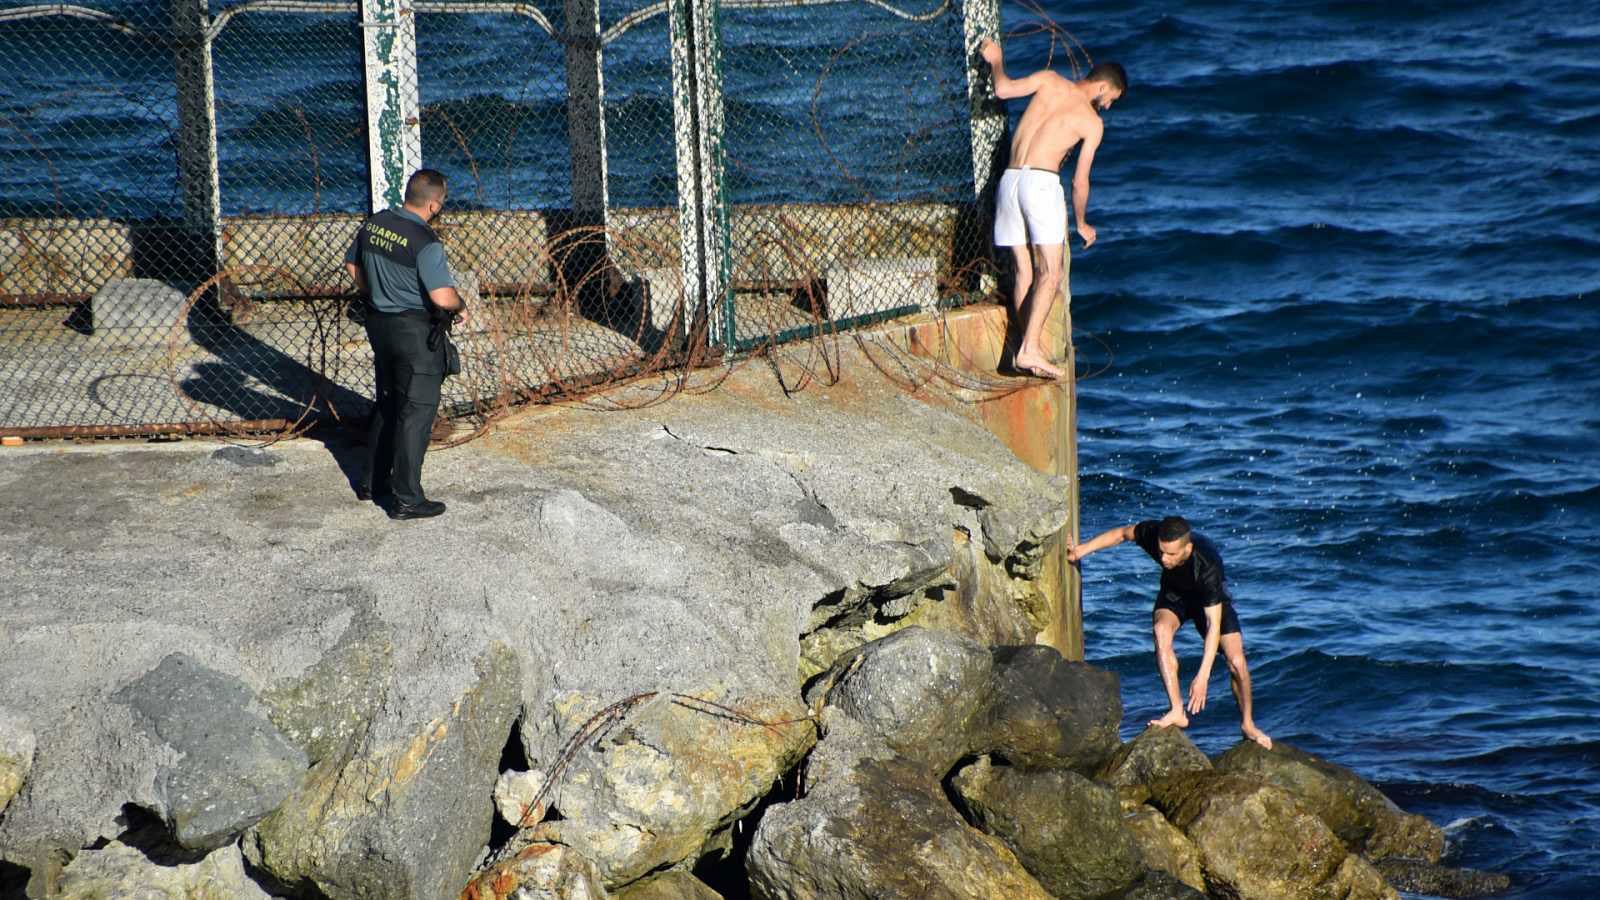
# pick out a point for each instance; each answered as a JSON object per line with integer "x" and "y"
{"x": 636, "y": 187}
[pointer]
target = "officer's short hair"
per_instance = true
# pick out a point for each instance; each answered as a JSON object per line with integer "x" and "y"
{"x": 424, "y": 185}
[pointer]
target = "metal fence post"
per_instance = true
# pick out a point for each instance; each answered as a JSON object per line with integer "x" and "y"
{"x": 982, "y": 22}
{"x": 586, "y": 118}
{"x": 197, "y": 134}
{"x": 394, "y": 131}
{"x": 697, "y": 126}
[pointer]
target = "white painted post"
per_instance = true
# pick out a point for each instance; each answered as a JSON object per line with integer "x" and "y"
{"x": 586, "y": 118}
{"x": 197, "y": 131}
{"x": 394, "y": 129}
{"x": 988, "y": 117}
{"x": 697, "y": 125}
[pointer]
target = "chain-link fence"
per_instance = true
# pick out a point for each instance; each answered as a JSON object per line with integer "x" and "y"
{"x": 634, "y": 187}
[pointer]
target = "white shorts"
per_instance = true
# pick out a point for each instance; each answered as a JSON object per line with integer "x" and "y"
{"x": 1029, "y": 208}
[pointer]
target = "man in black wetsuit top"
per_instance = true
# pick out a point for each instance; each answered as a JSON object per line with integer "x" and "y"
{"x": 1192, "y": 587}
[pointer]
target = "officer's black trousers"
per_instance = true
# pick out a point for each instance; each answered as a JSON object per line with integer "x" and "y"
{"x": 408, "y": 378}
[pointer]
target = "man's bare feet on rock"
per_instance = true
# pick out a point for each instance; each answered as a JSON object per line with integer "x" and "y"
{"x": 1174, "y": 717}
{"x": 1257, "y": 735}
{"x": 1037, "y": 366}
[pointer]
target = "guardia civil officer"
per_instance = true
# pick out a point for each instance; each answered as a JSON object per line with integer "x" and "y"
{"x": 398, "y": 264}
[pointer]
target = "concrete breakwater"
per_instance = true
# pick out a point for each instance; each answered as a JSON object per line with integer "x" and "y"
{"x": 219, "y": 664}
{"x": 772, "y": 641}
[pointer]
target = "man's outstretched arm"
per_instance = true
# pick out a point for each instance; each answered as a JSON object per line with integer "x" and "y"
{"x": 1006, "y": 87}
{"x": 1080, "y": 181}
{"x": 1100, "y": 542}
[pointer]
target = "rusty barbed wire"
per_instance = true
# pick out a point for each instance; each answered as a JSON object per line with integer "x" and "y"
{"x": 595, "y": 728}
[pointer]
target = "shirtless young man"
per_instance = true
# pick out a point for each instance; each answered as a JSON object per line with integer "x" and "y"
{"x": 1029, "y": 201}
{"x": 1191, "y": 588}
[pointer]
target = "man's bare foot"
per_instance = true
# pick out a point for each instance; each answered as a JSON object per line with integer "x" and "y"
{"x": 1257, "y": 735}
{"x": 1038, "y": 366}
{"x": 1174, "y": 717}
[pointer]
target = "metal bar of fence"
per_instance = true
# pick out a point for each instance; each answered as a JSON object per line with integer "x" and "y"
{"x": 649, "y": 12}
{"x": 40, "y": 10}
{"x": 195, "y": 429}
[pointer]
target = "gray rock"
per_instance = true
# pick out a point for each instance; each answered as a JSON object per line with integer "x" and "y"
{"x": 882, "y": 830}
{"x": 1049, "y": 712}
{"x": 1358, "y": 813}
{"x": 1415, "y": 876}
{"x": 1155, "y": 753}
{"x": 354, "y": 825}
{"x": 125, "y": 873}
{"x": 1066, "y": 830}
{"x": 231, "y": 768}
{"x": 917, "y": 691}
{"x": 516, "y": 798}
{"x": 16, "y": 754}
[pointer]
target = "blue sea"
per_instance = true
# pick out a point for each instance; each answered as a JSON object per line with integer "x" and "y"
{"x": 1344, "y": 315}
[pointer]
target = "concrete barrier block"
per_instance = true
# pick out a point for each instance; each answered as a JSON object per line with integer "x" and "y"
{"x": 663, "y": 298}
{"x": 141, "y": 306}
{"x": 858, "y": 287}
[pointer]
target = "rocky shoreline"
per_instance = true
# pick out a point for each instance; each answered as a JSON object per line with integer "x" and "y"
{"x": 745, "y": 643}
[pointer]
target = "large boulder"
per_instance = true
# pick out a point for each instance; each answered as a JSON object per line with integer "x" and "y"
{"x": 884, "y": 829}
{"x": 1163, "y": 847}
{"x": 1046, "y": 711}
{"x": 1417, "y": 877}
{"x": 1066, "y": 829}
{"x": 918, "y": 692}
{"x": 118, "y": 870}
{"x": 226, "y": 765}
{"x": 1155, "y": 753}
{"x": 1257, "y": 841}
{"x": 1358, "y": 813}
{"x": 656, "y": 788}
{"x": 354, "y": 826}
{"x": 16, "y": 755}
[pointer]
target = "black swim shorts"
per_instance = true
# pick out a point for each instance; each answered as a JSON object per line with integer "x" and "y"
{"x": 1196, "y": 612}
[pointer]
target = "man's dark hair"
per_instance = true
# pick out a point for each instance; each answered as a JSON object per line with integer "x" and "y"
{"x": 1172, "y": 528}
{"x": 423, "y": 186}
{"x": 1111, "y": 73}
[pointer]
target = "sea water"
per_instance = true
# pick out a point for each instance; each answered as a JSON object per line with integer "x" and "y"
{"x": 1344, "y": 315}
